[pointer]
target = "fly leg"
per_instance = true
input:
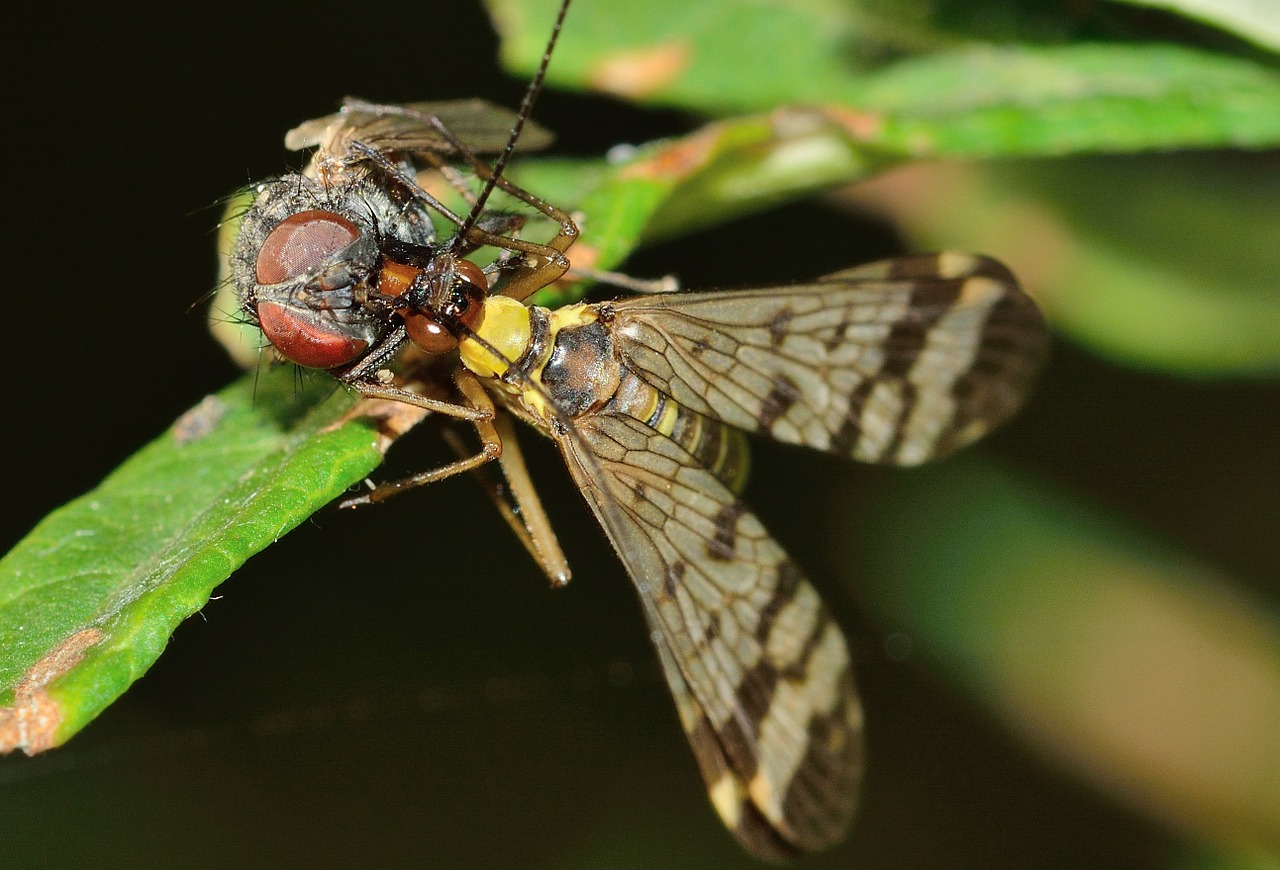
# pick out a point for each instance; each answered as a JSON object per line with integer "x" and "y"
{"x": 481, "y": 415}
{"x": 370, "y": 379}
{"x": 549, "y": 260}
{"x": 553, "y": 262}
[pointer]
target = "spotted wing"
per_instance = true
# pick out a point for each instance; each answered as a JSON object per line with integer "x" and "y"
{"x": 758, "y": 668}
{"x": 480, "y": 125}
{"x": 894, "y": 362}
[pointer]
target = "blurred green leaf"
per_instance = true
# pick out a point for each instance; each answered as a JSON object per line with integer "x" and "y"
{"x": 1255, "y": 20}
{"x": 1166, "y": 262}
{"x": 88, "y": 599}
{"x": 961, "y": 98}
{"x": 1201, "y": 857}
{"x": 1139, "y": 668}
{"x": 670, "y": 187}
{"x": 1045, "y": 101}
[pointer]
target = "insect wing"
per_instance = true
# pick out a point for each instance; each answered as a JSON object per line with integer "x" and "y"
{"x": 758, "y": 668}
{"x": 895, "y": 362}
{"x": 480, "y": 125}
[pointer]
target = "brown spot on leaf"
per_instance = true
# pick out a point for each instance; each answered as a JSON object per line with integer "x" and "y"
{"x": 679, "y": 159}
{"x": 391, "y": 419}
{"x": 199, "y": 421}
{"x": 583, "y": 255}
{"x": 32, "y": 722}
{"x": 861, "y": 126}
{"x": 641, "y": 72}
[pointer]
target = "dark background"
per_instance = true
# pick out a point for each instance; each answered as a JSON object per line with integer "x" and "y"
{"x": 398, "y": 684}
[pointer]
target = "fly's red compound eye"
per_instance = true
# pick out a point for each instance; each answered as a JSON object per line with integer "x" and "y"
{"x": 307, "y": 340}
{"x": 301, "y": 243}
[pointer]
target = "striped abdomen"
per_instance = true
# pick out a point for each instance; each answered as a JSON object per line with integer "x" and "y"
{"x": 721, "y": 449}
{"x": 581, "y": 373}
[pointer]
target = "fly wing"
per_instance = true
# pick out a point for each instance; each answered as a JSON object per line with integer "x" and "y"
{"x": 894, "y": 362}
{"x": 480, "y": 125}
{"x": 758, "y": 668}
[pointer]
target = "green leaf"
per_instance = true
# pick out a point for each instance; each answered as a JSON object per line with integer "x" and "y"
{"x": 1127, "y": 661}
{"x": 1255, "y": 20}
{"x": 89, "y": 598}
{"x": 961, "y": 98}
{"x": 724, "y": 170}
{"x": 994, "y": 101}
